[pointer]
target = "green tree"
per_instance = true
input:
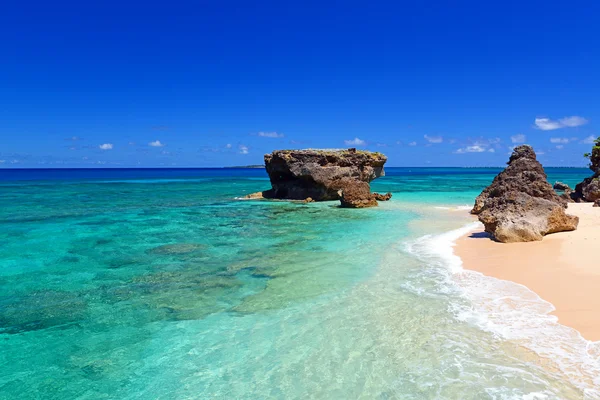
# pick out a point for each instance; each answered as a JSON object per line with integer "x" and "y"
{"x": 594, "y": 156}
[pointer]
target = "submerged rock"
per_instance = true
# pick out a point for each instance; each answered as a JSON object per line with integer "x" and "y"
{"x": 520, "y": 205}
{"x": 324, "y": 175}
{"x": 40, "y": 310}
{"x": 176, "y": 248}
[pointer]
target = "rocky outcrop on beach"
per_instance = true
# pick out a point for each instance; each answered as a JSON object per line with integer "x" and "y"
{"x": 520, "y": 205}
{"x": 589, "y": 189}
{"x": 325, "y": 175}
{"x": 523, "y": 174}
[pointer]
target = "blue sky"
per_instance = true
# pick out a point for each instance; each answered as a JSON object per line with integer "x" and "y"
{"x": 446, "y": 83}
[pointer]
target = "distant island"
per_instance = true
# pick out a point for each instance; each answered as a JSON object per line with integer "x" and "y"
{"x": 247, "y": 166}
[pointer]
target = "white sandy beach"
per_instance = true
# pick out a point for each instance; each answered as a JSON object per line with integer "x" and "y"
{"x": 563, "y": 269}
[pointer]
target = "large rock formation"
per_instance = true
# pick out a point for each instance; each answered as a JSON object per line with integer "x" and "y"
{"x": 520, "y": 205}
{"x": 589, "y": 189}
{"x": 523, "y": 174}
{"x": 324, "y": 175}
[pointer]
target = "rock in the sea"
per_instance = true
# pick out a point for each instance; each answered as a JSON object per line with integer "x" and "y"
{"x": 382, "y": 197}
{"x": 357, "y": 194}
{"x": 567, "y": 192}
{"x": 256, "y": 195}
{"x": 562, "y": 187}
{"x": 520, "y": 205}
{"x": 324, "y": 175}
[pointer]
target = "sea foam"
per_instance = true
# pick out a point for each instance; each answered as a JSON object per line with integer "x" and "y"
{"x": 514, "y": 313}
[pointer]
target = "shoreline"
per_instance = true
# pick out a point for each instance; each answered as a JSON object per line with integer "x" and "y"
{"x": 562, "y": 269}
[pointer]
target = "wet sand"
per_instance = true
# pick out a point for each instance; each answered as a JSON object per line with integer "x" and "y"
{"x": 563, "y": 269}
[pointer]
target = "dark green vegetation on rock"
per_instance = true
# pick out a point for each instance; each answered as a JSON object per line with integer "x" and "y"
{"x": 594, "y": 157}
{"x": 589, "y": 189}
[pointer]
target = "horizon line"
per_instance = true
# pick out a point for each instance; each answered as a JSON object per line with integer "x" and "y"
{"x": 249, "y": 167}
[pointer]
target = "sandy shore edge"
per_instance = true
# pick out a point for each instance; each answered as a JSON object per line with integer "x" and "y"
{"x": 563, "y": 269}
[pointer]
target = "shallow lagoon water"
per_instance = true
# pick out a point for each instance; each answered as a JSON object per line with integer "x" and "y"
{"x": 160, "y": 284}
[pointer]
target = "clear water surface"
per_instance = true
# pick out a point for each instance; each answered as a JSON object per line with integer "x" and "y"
{"x": 162, "y": 284}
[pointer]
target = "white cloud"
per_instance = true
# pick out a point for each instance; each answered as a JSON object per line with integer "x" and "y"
{"x": 481, "y": 145}
{"x": 559, "y": 140}
{"x": 228, "y": 145}
{"x": 271, "y": 134}
{"x": 156, "y": 143}
{"x": 573, "y": 121}
{"x": 355, "y": 142}
{"x": 471, "y": 149}
{"x": 243, "y": 149}
{"x": 434, "y": 139}
{"x": 2, "y": 161}
{"x": 560, "y": 146}
{"x": 106, "y": 146}
{"x": 547, "y": 124}
{"x": 589, "y": 140}
{"x": 412, "y": 144}
{"x": 520, "y": 138}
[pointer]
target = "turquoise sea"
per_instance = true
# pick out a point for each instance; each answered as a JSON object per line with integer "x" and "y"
{"x": 163, "y": 284}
